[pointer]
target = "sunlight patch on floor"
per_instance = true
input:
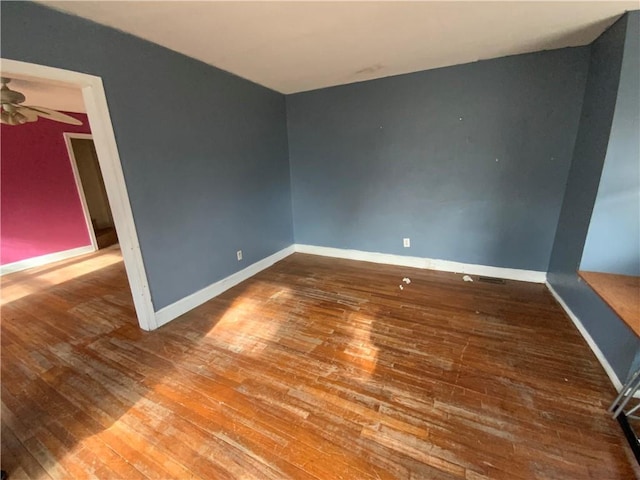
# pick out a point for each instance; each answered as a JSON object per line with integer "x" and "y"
{"x": 362, "y": 347}
{"x": 243, "y": 330}
{"x": 39, "y": 279}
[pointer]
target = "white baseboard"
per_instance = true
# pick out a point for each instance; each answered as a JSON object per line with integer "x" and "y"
{"x": 168, "y": 313}
{"x": 589, "y": 339}
{"x": 426, "y": 263}
{"x": 45, "y": 259}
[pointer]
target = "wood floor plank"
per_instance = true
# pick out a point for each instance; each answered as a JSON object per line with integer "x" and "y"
{"x": 313, "y": 369}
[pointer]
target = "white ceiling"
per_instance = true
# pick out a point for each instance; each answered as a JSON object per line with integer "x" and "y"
{"x": 298, "y": 46}
{"x": 49, "y": 95}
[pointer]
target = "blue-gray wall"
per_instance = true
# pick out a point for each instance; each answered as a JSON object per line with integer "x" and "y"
{"x": 468, "y": 161}
{"x": 204, "y": 152}
{"x": 614, "y": 338}
{"x": 613, "y": 240}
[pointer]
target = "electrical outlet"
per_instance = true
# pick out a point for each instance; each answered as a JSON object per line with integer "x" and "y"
{"x": 406, "y": 242}
{"x": 239, "y": 255}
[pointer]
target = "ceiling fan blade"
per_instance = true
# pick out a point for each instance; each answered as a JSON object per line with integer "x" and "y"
{"x": 35, "y": 109}
{"x": 53, "y": 115}
{"x": 31, "y": 115}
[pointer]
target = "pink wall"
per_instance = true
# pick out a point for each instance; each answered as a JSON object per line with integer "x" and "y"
{"x": 40, "y": 211}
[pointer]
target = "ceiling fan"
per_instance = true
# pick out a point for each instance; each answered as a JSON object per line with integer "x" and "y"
{"x": 15, "y": 113}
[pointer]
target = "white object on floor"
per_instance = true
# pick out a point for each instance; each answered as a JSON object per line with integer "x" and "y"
{"x": 406, "y": 280}
{"x": 467, "y": 278}
{"x": 401, "y": 287}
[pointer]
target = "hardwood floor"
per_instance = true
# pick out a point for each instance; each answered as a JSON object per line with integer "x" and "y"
{"x": 316, "y": 368}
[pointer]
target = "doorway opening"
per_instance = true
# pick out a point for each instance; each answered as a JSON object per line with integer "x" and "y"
{"x": 91, "y": 189}
{"x": 106, "y": 152}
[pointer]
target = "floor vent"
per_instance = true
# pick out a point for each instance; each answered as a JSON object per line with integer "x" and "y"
{"x": 499, "y": 281}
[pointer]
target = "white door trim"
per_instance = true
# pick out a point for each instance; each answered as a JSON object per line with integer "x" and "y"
{"x": 105, "y": 143}
{"x": 76, "y": 175}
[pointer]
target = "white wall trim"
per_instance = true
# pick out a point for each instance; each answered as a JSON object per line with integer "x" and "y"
{"x": 589, "y": 339}
{"x": 170, "y": 312}
{"x": 76, "y": 175}
{"x": 45, "y": 259}
{"x": 426, "y": 263}
{"x": 105, "y": 143}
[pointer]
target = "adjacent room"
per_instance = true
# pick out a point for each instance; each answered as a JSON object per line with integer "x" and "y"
{"x": 323, "y": 240}
{"x": 54, "y": 203}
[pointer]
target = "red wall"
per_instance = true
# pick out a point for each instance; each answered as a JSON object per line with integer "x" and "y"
{"x": 40, "y": 211}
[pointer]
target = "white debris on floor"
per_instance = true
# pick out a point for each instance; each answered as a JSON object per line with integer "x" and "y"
{"x": 406, "y": 280}
{"x": 467, "y": 278}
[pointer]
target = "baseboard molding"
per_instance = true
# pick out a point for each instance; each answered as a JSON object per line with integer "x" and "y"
{"x": 589, "y": 339}
{"x": 45, "y": 259}
{"x": 426, "y": 263}
{"x": 170, "y": 312}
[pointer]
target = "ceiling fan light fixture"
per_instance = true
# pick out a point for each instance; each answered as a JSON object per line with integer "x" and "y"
{"x": 9, "y": 119}
{"x": 20, "y": 118}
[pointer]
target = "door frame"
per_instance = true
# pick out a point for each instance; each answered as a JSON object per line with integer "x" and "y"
{"x": 109, "y": 160}
{"x": 68, "y": 136}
